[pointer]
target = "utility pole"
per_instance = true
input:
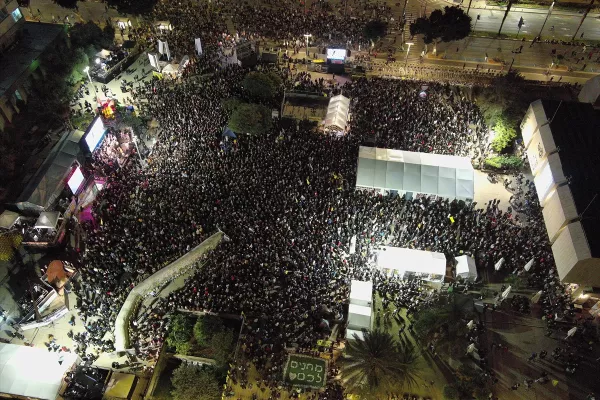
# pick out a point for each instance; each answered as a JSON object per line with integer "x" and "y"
{"x": 587, "y": 10}
{"x": 508, "y": 7}
{"x": 544, "y": 24}
{"x": 469, "y": 8}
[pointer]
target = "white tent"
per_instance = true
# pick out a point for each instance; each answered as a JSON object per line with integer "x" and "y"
{"x": 410, "y": 172}
{"x": 466, "y": 267}
{"x": 8, "y": 219}
{"x": 429, "y": 265}
{"x": 47, "y": 220}
{"x": 170, "y": 69}
{"x": 359, "y": 317}
{"x": 32, "y": 372}
{"x": 351, "y": 332}
{"x": 361, "y": 293}
{"x": 337, "y": 113}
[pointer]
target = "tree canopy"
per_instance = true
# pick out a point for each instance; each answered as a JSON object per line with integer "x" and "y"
{"x": 249, "y": 118}
{"x": 451, "y": 24}
{"x": 375, "y": 29}
{"x": 180, "y": 333}
{"x": 506, "y": 133}
{"x": 206, "y": 327}
{"x": 379, "y": 363}
{"x": 191, "y": 383}
{"x": 262, "y": 87}
{"x": 83, "y": 35}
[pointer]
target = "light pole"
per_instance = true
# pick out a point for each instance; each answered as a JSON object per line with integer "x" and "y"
{"x": 87, "y": 71}
{"x": 409, "y": 44}
{"x": 137, "y": 149}
{"x": 544, "y": 24}
{"x": 306, "y": 36}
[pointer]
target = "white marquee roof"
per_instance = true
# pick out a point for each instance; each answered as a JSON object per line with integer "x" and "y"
{"x": 337, "y": 112}
{"x": 573, "y": 257}
{"x": 435, "y": 174}
{"x": 410, "y": 260}
{"x": 8, "y": 219}
{"x": 32, "y": 372}
{"x": 466, "y": 267}
{"x": 361, "y": 292}
{"x": 47, "y": 220}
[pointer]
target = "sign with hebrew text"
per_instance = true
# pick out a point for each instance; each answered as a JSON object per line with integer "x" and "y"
{"x": 306, "y": 371}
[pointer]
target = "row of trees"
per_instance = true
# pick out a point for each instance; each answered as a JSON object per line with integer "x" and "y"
{"x": 442, "y": 26}
{"x": 261, "y": 92}
{"x": 205, "y": 336}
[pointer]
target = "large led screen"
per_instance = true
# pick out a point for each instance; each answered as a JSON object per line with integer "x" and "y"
{"x": 336, "y": 54}
{"x": 95, "y": 134}
{"x": 76, "y": 180}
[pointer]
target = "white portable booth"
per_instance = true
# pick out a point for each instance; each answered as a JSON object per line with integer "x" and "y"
{"x": 465, "y": 267}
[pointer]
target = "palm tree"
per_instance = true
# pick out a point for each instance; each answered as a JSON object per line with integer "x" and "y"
{"x": 379, "y": 362}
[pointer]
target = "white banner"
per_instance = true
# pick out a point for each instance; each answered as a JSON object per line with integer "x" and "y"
{"x": 198, "y": 44}
{"x": 153, "y": 57}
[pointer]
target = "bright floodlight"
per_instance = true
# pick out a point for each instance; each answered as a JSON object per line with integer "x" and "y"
{"x": 97, "y": 60}
{"x": 86, "y": 69}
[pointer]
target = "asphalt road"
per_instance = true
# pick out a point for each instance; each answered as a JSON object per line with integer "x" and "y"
{"x": 561, "y": 25}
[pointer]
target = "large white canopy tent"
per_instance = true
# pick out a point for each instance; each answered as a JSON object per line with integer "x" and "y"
{"x": 337, "y": 112}
{"x": 561, "y": 140}
{"x": 360, "y": 309}
{"x": 408, "y": 172}
{"x": 33, "y": 372}
{"x": 429, "y": 265}
{"x": 8, "y": 219}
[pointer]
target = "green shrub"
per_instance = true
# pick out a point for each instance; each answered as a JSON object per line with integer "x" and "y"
{"x": 504, "y": 162}
{"x": 506, "y": 133}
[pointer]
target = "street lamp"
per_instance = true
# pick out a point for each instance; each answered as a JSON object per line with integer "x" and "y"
{"x": 87, "y": 71}
{"x": 409, "y": 44}
{"x": 137, "y": 149}
{"x": 307, "y": 35}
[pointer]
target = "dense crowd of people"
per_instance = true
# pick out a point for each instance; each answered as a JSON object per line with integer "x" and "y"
{"x": 287, "y": 203}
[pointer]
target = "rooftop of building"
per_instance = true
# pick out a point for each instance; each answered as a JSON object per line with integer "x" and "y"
{"x": 576, "y": 131}
{"x": 35, "y": 37}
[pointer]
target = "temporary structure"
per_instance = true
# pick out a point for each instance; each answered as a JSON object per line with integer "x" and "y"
{"x": 465, "y": 267}
{"x": 33, "y": 372}
{"x": 361, "y": 293}
{"x": 49, "y": 180}
{"x": 359, "y": 317}
{"x": 428, "y": 265}
{"x": 47, "y": 220}
{"x": 8, "y": 219}
{"x": 410, "y": 173}
{"x": 337, "y": 113}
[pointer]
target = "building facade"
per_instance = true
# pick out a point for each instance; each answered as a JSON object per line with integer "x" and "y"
{"x": 21, "y": 46}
